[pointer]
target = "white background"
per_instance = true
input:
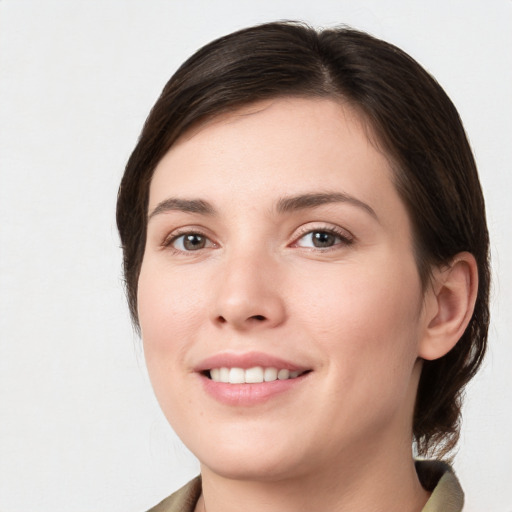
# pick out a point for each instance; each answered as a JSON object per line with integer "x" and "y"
{"x": 80, "y": 429}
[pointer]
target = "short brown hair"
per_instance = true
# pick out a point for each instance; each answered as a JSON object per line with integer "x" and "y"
{"x": 416, "y": 125}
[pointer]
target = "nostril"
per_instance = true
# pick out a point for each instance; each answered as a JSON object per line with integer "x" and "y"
{"x": 260, "y": 318}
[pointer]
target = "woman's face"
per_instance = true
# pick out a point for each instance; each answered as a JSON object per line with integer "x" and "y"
{"x": 278, "y": 245}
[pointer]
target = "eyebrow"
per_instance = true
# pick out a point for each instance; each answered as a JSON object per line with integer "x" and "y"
{"x": 306, "y": 201}
{"x": 284, "y": 204}
{"x": 183, "y": 205}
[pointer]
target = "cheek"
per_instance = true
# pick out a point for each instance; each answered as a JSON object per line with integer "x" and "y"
{"x": 376, "y": 350}
{"x": 367, "y": 320}
{"x": 167, "y": 309}
{"x": 168, "y": 306}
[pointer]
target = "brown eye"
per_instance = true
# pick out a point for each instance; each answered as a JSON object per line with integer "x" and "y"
{"x": 322, "y": 239}
{"x": 190, "y": 242}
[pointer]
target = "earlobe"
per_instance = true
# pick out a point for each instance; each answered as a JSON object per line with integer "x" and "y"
{"x": 450, "y": 305}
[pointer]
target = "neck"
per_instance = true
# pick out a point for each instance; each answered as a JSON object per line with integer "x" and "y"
{"x": 376, "y": 481}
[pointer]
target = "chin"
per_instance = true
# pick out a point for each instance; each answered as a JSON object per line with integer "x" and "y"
{"x": 249, "y": 467}
{"x": 251, "y": 458}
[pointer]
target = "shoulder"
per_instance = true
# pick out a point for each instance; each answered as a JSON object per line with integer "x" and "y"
{"x": 438, "y": 478}
{"x": 183, "y": 500}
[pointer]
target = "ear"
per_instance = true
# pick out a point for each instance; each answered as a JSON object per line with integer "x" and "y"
{"x": 450, "y": 302}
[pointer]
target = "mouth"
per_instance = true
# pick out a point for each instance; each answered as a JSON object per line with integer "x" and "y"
{"x": 254, "y": 375}
{"x": 251, "y": 378}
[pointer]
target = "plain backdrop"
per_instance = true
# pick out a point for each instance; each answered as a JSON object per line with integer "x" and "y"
{"x": 80, "y": 430}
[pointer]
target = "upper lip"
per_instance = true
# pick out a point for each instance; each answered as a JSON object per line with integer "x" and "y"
{"x": 247, "y": 360}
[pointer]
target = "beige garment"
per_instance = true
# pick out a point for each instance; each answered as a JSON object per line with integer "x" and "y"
{"x": 437, "y": 477}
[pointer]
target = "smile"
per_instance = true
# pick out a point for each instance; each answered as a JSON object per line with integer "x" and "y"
{"x": 254, "y": 375}
{"x": 250, "y": 378}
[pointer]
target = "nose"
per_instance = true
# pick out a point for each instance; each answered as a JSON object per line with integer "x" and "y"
{"x": 248, "y": 294}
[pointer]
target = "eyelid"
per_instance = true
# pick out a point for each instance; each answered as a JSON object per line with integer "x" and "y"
{"x": 187, "y": 230}
{"x": 347, "y": 237}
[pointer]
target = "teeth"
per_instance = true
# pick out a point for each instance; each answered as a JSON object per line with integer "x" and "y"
{"x": 236, "y": 376}
{"x": 283, "y": 374}
{"x": 270, "y": 374}
{"x": 254, "y": 375}
{"x": 224, "y": 375}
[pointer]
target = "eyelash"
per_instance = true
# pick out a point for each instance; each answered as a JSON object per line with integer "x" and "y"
{"x": 345, "y": 238}
{"x": 173, "y": 237}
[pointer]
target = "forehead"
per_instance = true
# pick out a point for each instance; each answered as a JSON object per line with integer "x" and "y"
{"x": 291, "y": 145}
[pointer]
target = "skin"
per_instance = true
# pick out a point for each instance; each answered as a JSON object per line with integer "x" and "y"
{"x": 353, "y": 312}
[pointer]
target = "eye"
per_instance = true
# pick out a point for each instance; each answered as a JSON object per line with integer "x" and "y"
{"x": 322, "y": 239}
{"x": 189, "y": 242}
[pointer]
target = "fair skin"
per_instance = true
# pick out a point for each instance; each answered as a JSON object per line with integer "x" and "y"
{"x": 277, "y": 241}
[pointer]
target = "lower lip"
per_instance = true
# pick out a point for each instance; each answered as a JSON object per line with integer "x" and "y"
{"x": 248, "y": 394}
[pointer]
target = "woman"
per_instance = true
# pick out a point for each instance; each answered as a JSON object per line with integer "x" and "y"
{"x": 306, "y": 256}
